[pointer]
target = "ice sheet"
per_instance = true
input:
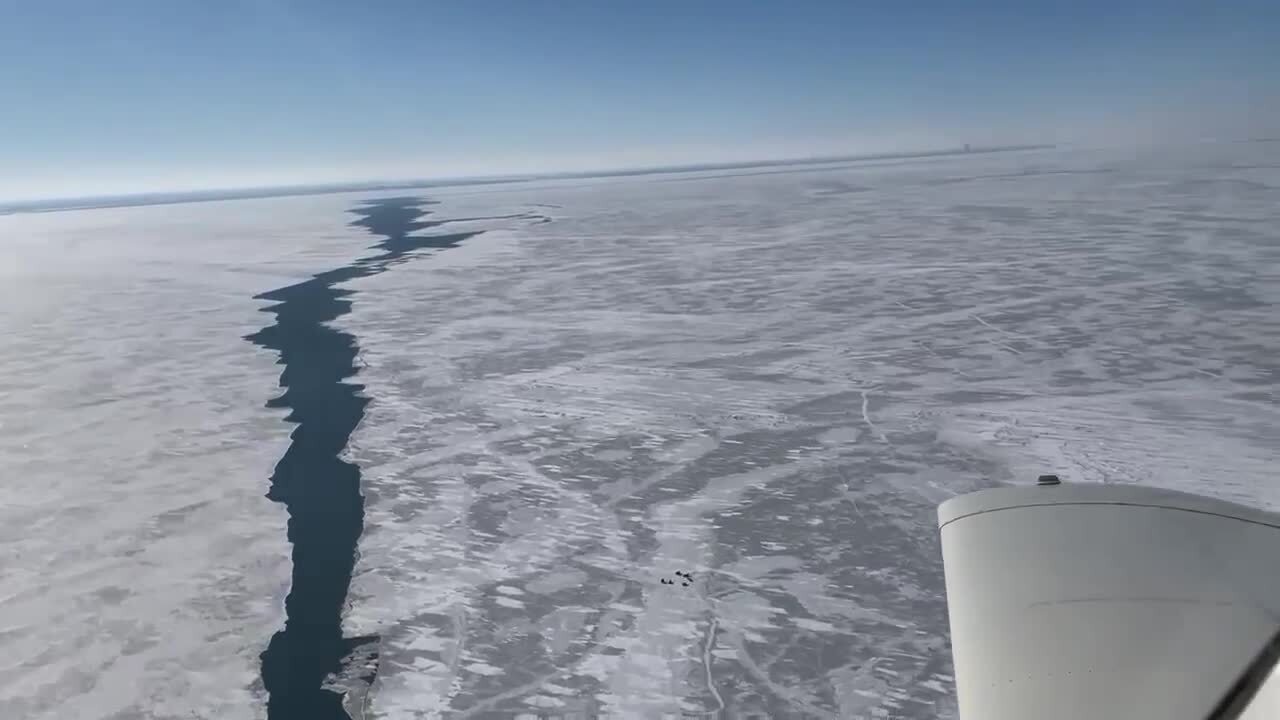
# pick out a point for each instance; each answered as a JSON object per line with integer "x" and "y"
{"x": 769, "y": 381}
{"x": 143, "y": 570}
{"x": 766, "y": 380}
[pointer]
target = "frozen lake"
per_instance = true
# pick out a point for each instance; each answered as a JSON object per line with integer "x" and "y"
{"x": 766, "y": 380}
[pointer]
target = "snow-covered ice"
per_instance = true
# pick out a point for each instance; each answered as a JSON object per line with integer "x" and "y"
{"x": 765, "y": 379}
{"x": 770, "y": 380}
{"x": 142, "y": 568}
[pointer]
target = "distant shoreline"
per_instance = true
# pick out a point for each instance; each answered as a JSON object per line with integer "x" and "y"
{"x": 174, "y": 198}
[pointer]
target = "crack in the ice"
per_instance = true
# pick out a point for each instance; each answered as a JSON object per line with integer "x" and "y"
{"x": 303, "y": 666}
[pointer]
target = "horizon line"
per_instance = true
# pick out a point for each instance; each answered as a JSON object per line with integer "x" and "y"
{"x": 144, "y": 199}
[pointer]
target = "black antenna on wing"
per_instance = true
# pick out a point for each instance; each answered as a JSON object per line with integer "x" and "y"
{"x": 1245, "y": 688}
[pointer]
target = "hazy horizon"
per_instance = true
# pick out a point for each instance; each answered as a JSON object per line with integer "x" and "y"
{"x": 307, "y": 186}
{"x": 161, "y": 195}
{"x": 142, "y": 97}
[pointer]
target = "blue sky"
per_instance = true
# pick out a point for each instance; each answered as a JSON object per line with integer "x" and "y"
{"x": 113, "y": 96}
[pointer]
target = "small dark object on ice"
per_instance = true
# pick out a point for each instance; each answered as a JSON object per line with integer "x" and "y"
{"x": 685, "y": 579}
